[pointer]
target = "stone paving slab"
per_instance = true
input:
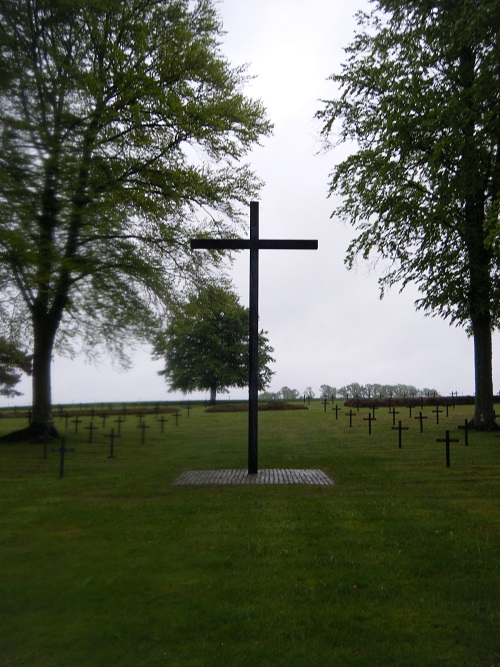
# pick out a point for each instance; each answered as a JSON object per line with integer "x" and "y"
{"x": 269, "y": 476}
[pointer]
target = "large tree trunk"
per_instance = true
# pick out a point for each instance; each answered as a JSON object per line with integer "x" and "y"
{"x": 213, "y": 394}
{"x": 41, "y": 426}
{"x": 44, "y": 331}
{"x": 484, "y": 414}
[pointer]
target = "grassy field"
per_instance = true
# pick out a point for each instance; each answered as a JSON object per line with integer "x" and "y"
{"x": 396, "y": 564}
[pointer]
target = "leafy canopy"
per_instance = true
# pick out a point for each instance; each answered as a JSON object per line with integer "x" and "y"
{"x": 418, "y": 100}
{"x": 12, "y": 362}
{"x": 123, "y": 130}
{"x": 205, "y": 344}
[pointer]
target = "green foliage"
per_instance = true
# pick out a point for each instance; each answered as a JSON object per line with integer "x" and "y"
{"x": 284, "y": 394}
{"x": 356, "y": 390}
{"x": 123, "y": 133}
{"x": 12, "y": 361}
{"x": 205, "y": 344}
{"x": 120, "y": 120}
{"x": 327, "y": 391}
{"x": 419, "y": 96}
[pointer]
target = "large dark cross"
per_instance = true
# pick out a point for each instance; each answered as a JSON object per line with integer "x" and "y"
{"x": 254, "y": 244}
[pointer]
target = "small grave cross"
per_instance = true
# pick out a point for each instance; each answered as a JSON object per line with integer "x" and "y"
{"x": 143, "y": 426}
{"x": 400, "y": 428}
{"x": 91, "y": 430}
{"x": 112, "y": 437}
{"x": 76, "y": 421}
{"x": 119, "y": 421}
{"x": 437, "y": 411}
{"x": 350, "y": 414}
{"x": 162, "y": 421}
{"x": 447, "y": 440}
{"x": 254, "y": 244}
{"x": 369, "y": 419}
{"x": 324, "y": 402}
{"x": 337, "y": 410}
{"x": 466, "y": 432}
{"x": 62, "y": 450}
{"x": 393, "y": 412}
{"x": 421, "y": 418}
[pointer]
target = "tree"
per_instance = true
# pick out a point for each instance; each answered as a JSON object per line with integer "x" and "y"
{"x": 206, "y": 346}
{"x": 326, "y": 391}
{"x": 288, "y": 394}
{"x": 12, "y": 362}
{"x": 122, "y": 126}
{"x": 419, "y": 96}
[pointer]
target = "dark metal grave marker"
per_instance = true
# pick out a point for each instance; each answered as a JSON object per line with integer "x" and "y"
{"x": 119, "y": 421}
{"x": 188, "y": 407}
{"x": 62, "y": 450}
{"x": 350, "y": 414}
{"x": 437, "y": 411}
{"x": 400, "y": 428}
{"x": 103, "y": 416}
{"x": 177, "y": 415}
{"x": 421, "y": 418}
{"x": 162, "y": 421}
{"x": 91, "y": 430}
{"x": 143, "y": 426}
{"x": 112, "y": 437}
{"x": 369, "y": 419}
{"x": 447, "y": 440}
{"x": 254, "y": 244}
{"x": 337, "y": 410}
{"x": 410, "y": 409}
{"x": 394, "y": 412}
{"x": 465, "y": 428}
{"x": 76, "y": 421}
{"x": 324, "y": 402}
{"x": 67, "y": 419}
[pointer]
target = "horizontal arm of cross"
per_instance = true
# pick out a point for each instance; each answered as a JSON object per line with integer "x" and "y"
{"x": 246, "y": 244}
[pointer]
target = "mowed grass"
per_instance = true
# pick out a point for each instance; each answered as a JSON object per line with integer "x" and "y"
{"x": 396, "y": 564}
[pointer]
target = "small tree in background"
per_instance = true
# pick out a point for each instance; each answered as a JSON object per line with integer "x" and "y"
{"x": 205, "y": 344}
{"x": 326, "y": 391}
{"x": 288, "y": 394}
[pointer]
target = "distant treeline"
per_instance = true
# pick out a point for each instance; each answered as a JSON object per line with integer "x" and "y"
{"x": 353, "y": 390}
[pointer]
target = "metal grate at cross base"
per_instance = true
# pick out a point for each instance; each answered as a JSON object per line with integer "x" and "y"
{"x": 269, "y": 476}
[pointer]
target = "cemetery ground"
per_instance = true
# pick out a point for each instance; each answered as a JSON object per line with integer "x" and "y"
{"x": 114, "y": 564}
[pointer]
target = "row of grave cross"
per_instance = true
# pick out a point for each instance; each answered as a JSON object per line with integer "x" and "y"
{"x": 112, "y": 436}
{"x": 400, "y": 428}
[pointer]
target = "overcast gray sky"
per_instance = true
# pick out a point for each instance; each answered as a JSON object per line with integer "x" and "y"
{"x": 326, "y": 324}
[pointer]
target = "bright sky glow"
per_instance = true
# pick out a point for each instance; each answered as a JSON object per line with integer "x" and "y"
{"x": 327, "y": 325}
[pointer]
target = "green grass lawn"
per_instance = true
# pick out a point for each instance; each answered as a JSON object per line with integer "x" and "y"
{"x": 396, "y": 564}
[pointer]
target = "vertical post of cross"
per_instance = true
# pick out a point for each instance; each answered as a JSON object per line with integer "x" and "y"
{"x": 253, "y": 366}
